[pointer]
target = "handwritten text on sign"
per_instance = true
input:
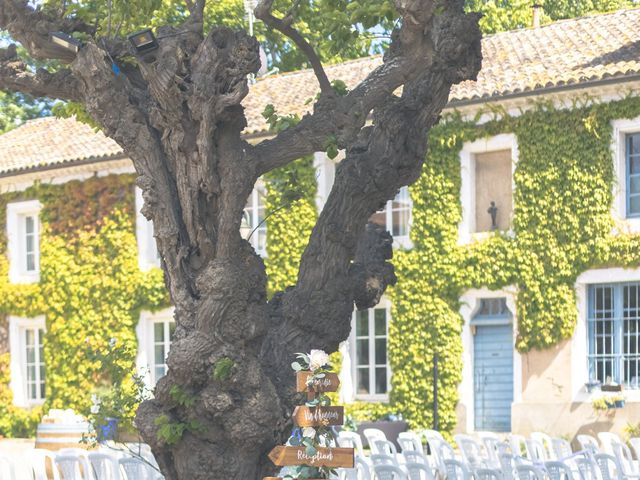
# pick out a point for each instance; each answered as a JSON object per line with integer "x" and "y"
{"x": 329, "y": 383}
{"x": 318, "y": 416}
{"x": 324, "y": 457}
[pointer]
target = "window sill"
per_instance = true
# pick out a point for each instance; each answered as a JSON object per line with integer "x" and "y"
{"x": 631, "y": 396}
{"x": 626, "y": 226}
{"x": 477, "y": 237}
{"x": 402, "y": 243}
{"x": 29, "y": 404}
{"x": 372, "y": 398}
{"x": 24, "y": 278}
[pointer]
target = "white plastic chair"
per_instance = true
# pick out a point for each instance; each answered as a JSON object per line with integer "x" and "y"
{"x": 558, "y": 470}
{"x": 547, "y": 443}
{"x": 607, "y": 439}
{"x": 383, "y": 446}
{"x": 83, "y": 457}
{"x": 388, "y": 472}
{"x": 492, "y": 446}
{"x": 418, "y": 471}
{"x": 629, "y": 468}
{"x": 371, "y": 434}
{"x": 487, "y": 474}
{"x": 529, "y": 472}
{"x": 608, "y": 466}
{"x": 536, "y": 450}
{"x": 561, "y": 448}
{"x": 410, "y": 441}
{"x": 134, "y": 469}
{"x": 383, "y": 459}
{"x": 70, "y": 467}
{"x": 104, "y": 466}
{"x": 440, "y": 451}
{"x": 635, "y": 444}
{"x": 471, "y": 452}
{"x": 456, "y": 470}
{"x": 359, "y": 472}
{"x": 587, "y": 468}
{"x": 519, "y": 446}
{"x": 412, "y": 456}
{"x": 507, "y": 466}
{"x": 7, "y": 469}
{"x": 587, "y": 442}
{"x": 351, "y": 440}
{"x": 38, "y": 459}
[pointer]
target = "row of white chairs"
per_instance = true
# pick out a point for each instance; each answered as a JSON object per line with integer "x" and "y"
{"x": 490, "y": 458}
{"x": 79, "y": 464}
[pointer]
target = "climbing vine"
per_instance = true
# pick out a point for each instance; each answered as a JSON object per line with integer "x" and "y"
{"x": 91, "y": 290}
{"x": 562, "y": 226}
{"x": 292, "y": 213}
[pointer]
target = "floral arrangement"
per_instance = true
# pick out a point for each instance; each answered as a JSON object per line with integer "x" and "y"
{"x": 317, "y": 362}
{"x": 607, "y": 402}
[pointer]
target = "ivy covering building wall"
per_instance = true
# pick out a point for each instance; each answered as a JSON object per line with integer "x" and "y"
{"x": 91, "y": 289}
{"x": 562, "y": 226}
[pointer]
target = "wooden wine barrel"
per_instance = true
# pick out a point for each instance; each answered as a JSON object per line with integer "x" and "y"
{"x": 56, "y": 436}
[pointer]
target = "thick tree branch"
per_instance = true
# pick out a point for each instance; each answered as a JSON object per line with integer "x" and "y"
{"x": 32, "y": 28}
{"x": 15, "y": 76}
{"x": 411, "y": 52}
{"x": 384, "y": 157}
{"x": 263, "y": 12}
{"x": 342, "y": 117}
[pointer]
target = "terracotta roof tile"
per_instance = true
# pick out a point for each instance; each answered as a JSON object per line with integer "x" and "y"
{"x": 562, "y": 53}
{"x": 49, "y": 141}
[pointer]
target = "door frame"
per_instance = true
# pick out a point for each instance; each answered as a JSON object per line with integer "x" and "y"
{"x": 470, "y": 303}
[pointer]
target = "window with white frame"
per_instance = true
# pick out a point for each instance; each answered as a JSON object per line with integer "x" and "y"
{"x": 254, "y": 226}
{"x": 155, "y": 333}
{"x": 27, "y": 360}
{"x": 396, "y": 217}
{"x": 632, "y": 172}
{"x": 370, "y": 366}
{"x": 148, "y": 255}
{"x": 614, "y": 333}
{"x": 163, "y": 329}
{"x": 626, "y": 155}
{"x": 23, "y": 229}
{"x": 486, "y": 190}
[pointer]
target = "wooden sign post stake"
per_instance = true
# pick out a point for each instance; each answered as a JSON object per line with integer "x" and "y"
{"x": 320, "y": 416}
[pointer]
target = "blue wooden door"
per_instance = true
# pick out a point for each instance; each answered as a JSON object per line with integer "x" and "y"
{"x": 493, "y": 377}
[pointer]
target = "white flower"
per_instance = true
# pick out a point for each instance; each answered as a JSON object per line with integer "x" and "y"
{"x": 95, "y": 407}
{"x": 317, "y": 359}
{"x": 309, "y": 432}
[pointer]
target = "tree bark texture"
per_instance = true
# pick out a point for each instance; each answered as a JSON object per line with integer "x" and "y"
{"x": 177, "y": 113}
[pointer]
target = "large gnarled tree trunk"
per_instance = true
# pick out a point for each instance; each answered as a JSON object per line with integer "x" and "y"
{"x": 177, "y": 113}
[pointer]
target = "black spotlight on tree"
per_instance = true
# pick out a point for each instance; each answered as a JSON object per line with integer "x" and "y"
{"x": 143, "y": 41}
{"x": 65, "y": 41}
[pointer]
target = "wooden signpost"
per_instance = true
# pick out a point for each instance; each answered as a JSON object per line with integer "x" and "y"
{"x": 329, "y": 383}
{"x": 318, "y": 416}
{"x": 304, "y": 416}
{"x": 325, "y": 457}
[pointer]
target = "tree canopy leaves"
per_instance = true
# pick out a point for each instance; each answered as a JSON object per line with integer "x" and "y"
{"x": 339, "y": 30}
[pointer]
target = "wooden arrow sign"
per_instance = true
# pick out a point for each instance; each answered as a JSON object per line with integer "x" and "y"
{"x": 325, "y": 457}
{"x": 318, "y": 416}
{"x": 329, "y": 383}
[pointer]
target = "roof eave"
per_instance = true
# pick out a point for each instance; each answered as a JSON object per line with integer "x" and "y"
{"x": 545, "y": 90}
{"x": 65, "y": 164}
